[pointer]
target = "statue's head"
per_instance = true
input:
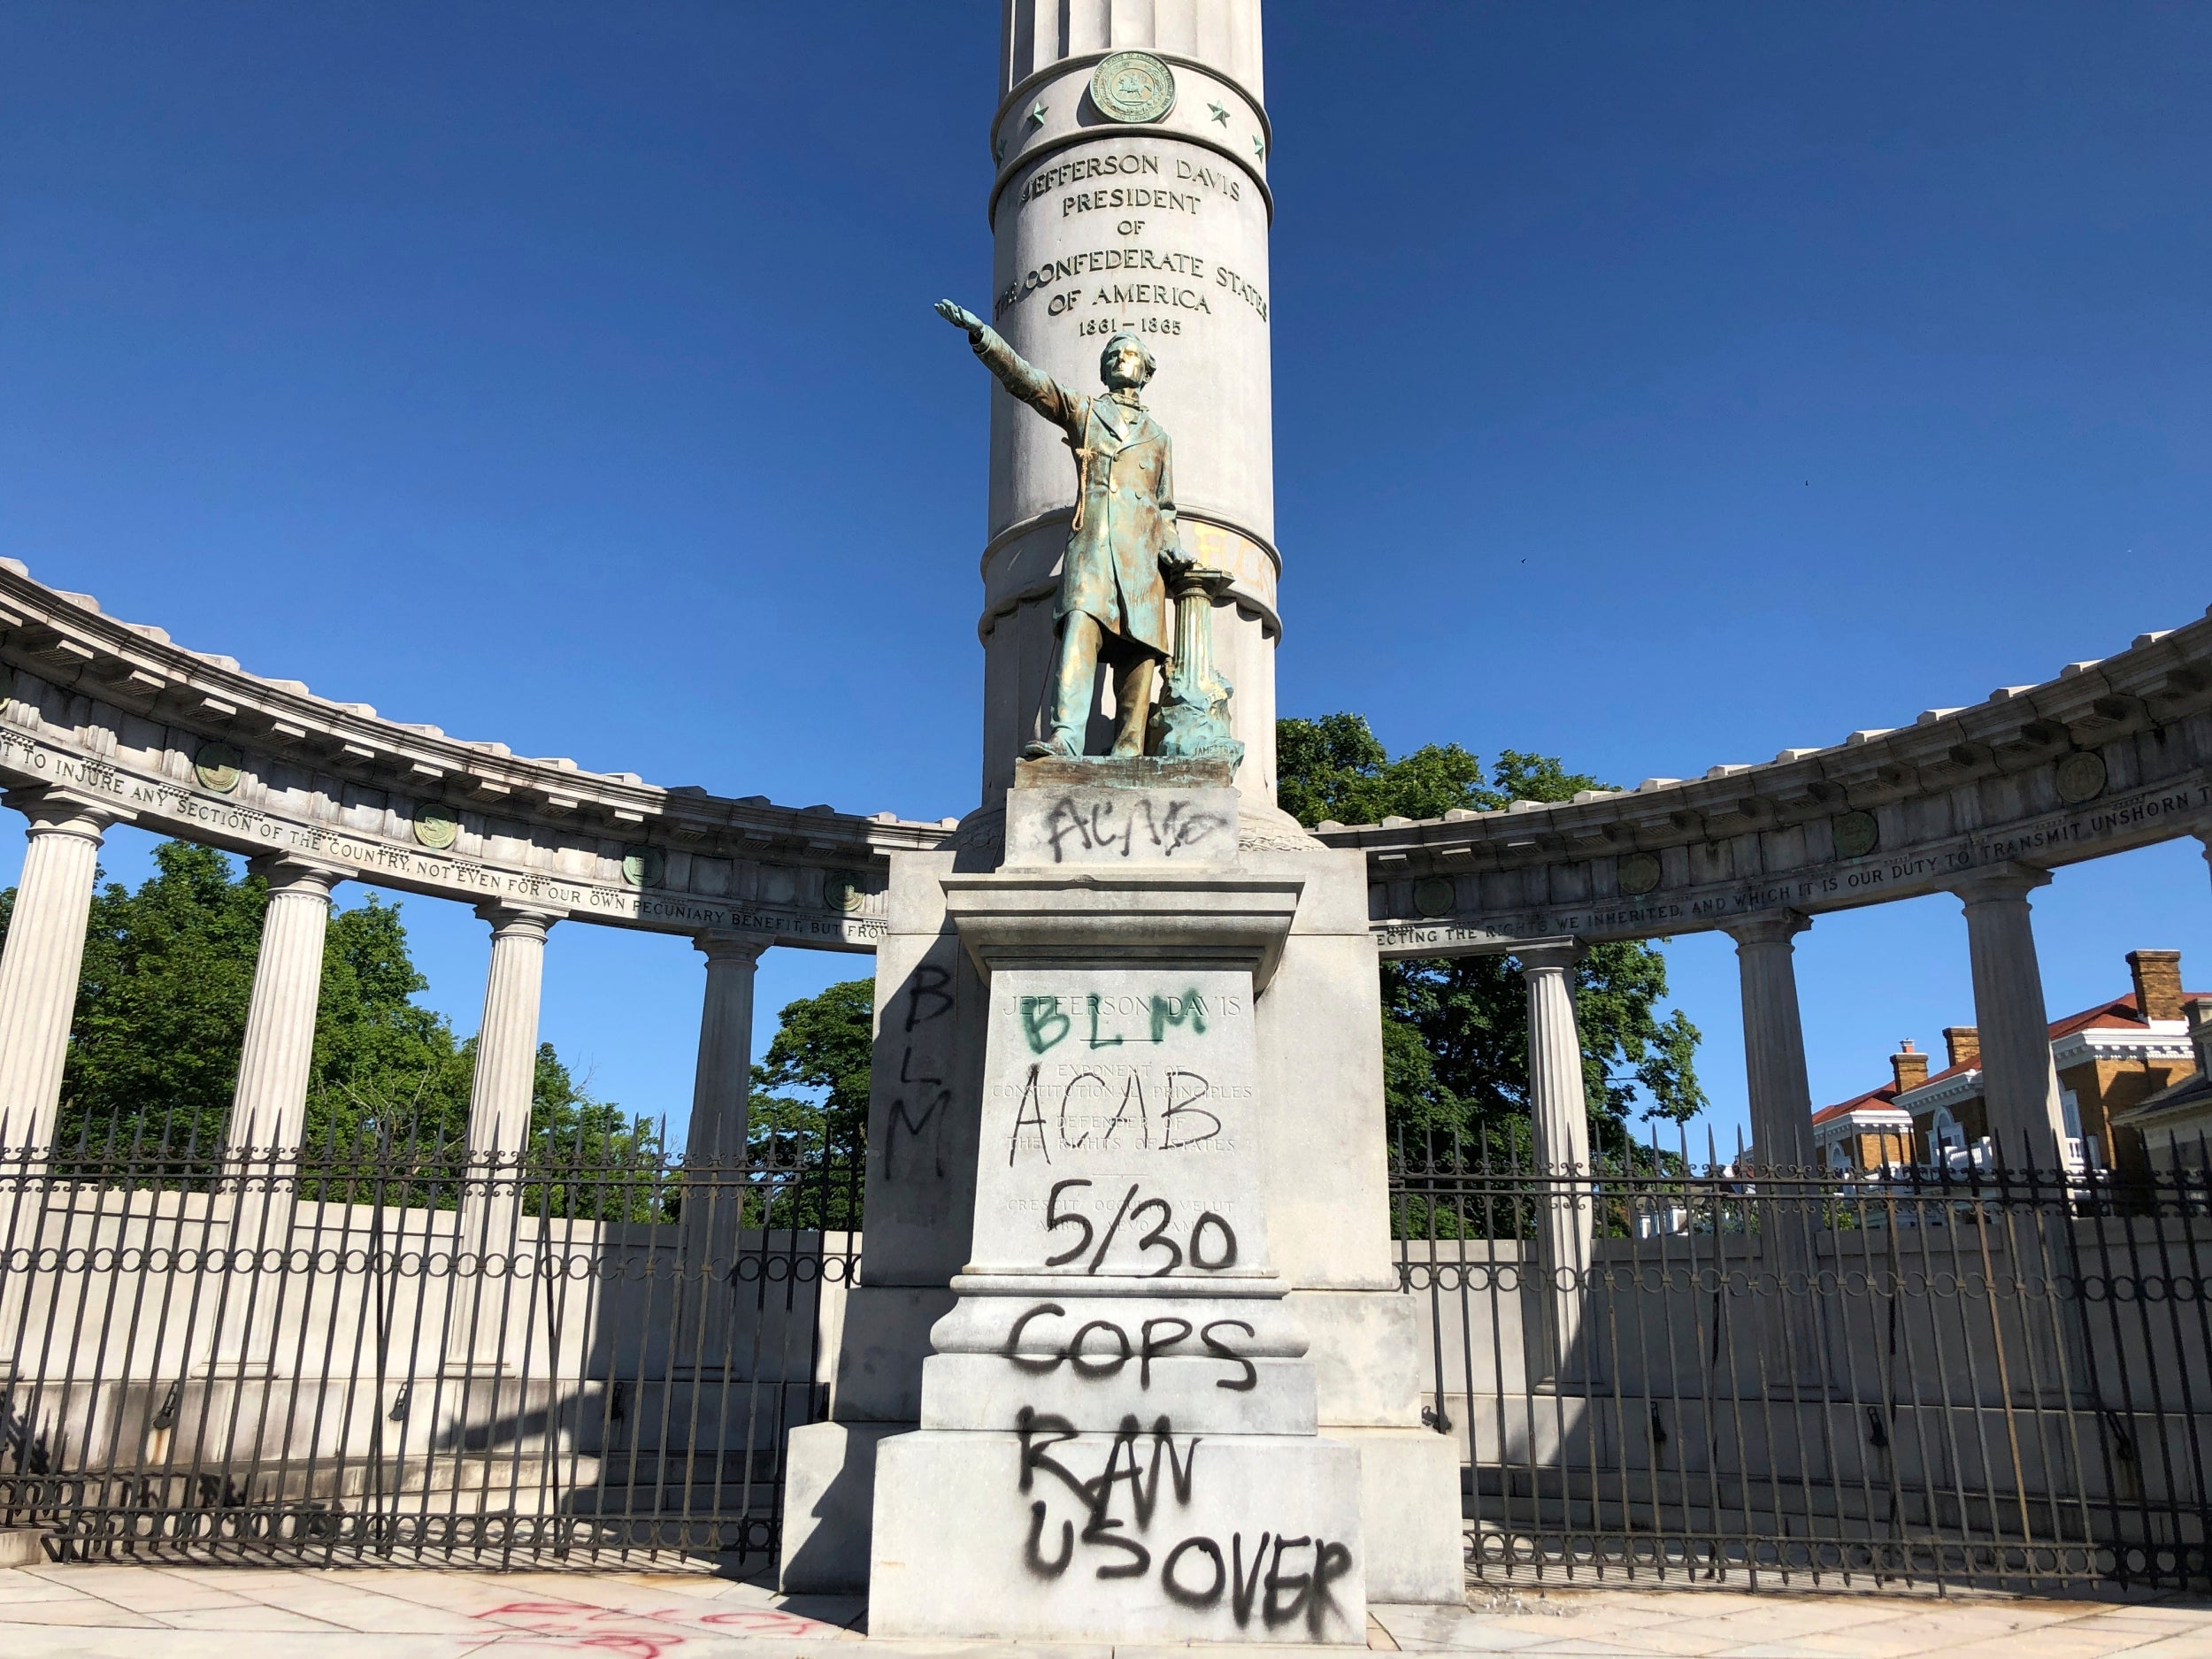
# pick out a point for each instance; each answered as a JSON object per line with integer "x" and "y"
{"x": 1125, "y": 362}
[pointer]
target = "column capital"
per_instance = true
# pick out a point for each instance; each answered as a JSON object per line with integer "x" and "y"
{"x": 1766, "y": 927}
{"x": 2010, "y": 880}
{"x": 57, "y": 810}
{"x": 517, "y": 921}
{"x": 289, "y": 872}
{"x": 1547, "y": 956}
{"x": 721, "y": 945}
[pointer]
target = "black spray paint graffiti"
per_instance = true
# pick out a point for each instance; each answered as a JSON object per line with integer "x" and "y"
{"x": 1195, "y": 1574}
{"x": 926, "y": 999}
{"x": 1095, "y": 829}
{"x": 1183, "y": 1123}
{"x": 1208, "y": 1227}
{"x": 1096, "y": 1363}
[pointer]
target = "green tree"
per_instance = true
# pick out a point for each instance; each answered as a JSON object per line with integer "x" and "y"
{"x": 1455, "y": 1030}
{"x": 822, "y": 1045}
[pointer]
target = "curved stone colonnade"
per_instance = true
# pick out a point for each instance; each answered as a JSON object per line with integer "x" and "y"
{"x": 107, "y": 722}
{"x": 1982, "y": 803}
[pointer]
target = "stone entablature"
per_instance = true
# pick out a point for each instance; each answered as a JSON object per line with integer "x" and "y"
{"x": 190, "y": 745}
{"x": 2106, "y": 756}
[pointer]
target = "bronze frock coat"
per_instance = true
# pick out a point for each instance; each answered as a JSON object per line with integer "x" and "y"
{"x": 1125, "y": 518}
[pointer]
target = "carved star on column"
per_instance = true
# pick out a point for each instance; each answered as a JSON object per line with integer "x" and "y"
{"x": 1037, "y": 113}
{"x": 1220, "y": 114}
{"x": 1259, "y": 147}
{"x": 998, "y": 150}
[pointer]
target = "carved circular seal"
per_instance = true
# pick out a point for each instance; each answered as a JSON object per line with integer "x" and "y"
{"x": 2081, "y": 777}
{"x": 643, "y": 866}
{"x": 842, "y": 890}
{"x": 1856, "y": 834}
{"x": 1432, "y": 895}
{"x": 217, "y": 766}
{"x": 435, "y": 826}
{"x": 1637, "y": 874}
{"x": 1132, "y": 86}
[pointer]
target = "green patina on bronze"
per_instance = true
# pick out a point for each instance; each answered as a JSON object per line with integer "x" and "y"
{"x": 436, "y": 827}
{"x": 217, "y": 766}
{"x": 1113, "y": 602}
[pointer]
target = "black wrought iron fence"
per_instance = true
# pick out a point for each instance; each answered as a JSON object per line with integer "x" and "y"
{"x": 396, "y": 1347}
{"x": 1658, "y": 1369}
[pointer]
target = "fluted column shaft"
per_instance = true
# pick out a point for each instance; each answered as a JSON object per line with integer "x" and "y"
{"x": 1781, "y": 1097}
{"x": 507, "y": 1040}
{"x": 38, "y": 996}
{"x": 44, "y": 955}
{"x": 1559, "y": 1115}
{"x": 269, "y": 1108}
{"x": 1781, "y": 1102}
{"x": 714, "y": 1148}
{"x": 2019, "y": 1083}
{"x": 722, "y": 1086}
{"x": 490, "y": 1314}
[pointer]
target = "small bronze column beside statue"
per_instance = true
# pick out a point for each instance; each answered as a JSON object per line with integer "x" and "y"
{"x": 1123, "y": 558}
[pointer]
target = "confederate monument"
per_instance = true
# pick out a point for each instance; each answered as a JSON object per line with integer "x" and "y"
{"x": 1112, "y": 603}
{"x": 1129, "y": 1357}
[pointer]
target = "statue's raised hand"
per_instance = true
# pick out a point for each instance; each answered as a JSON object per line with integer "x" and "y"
{"x": 960, "y": 318}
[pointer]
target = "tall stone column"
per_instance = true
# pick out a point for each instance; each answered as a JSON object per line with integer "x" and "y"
{"x": 1145, "y": 210}
{"x": 506, "y": 1071}
{"x": 714, "y": 1146}
{"x": 1559, "y": 1115}
{"x": 1774, "y": 1038}
{"x": 44, "y": 954}
{"x": 2019, "y": 1082}
{"x": 268, "y": 1112}
{"x": 1781, "y": 1105}
{"x": 38, "y": 995}
{"x": 722, "y": 1085}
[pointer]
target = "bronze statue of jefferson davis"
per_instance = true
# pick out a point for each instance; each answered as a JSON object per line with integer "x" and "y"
{"x": 1112, "y": 602}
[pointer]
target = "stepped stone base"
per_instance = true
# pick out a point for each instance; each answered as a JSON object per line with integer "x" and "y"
{"x": 1183, "y": 1538}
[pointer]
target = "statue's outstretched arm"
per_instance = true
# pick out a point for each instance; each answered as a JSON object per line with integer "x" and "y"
{"x": 1054, "y": 401}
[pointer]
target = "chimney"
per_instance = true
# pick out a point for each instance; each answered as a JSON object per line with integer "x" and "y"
{"x": 1965, "y": 1044}
{"x": 2157, "y": 975}
{"x": 1909, "y": 1069}
{"x": 2200, "y": 1012}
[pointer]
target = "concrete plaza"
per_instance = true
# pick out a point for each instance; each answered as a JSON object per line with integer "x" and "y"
{"x": 155, "y": 1612}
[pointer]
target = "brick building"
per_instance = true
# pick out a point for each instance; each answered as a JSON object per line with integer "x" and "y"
{"x": 2111, "y": 1061}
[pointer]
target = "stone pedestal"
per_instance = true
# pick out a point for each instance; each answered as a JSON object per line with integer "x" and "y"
{"x": 1119, "y": 1420}
{"x": 1321, "y": 1155}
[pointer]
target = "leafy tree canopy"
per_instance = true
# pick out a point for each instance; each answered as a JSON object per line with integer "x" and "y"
{"x": 822, "y": 1045}
{"x": 1455, "y": 1030}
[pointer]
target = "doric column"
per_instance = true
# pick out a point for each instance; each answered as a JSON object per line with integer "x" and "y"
{"x": 506, "y": 1074}
{"x": 38, "y": 996}
{"x": 714, "y": 1148}
{"x": 1559, "y": 1115}
{"x": 507, "y": 1039}
{"x": 268, "y": 1112}
{"x": 489, "y": 1311}
{"x": 1781, "y": 1105}
{"x": 722, "y": 1085}
{"x": 1773, "y": 1038}
{"x": 44, "y": 954}
{"x": 2019, "y": 1084}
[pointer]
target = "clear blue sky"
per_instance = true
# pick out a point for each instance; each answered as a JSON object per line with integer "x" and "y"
{"x": 1656, "y": 386}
